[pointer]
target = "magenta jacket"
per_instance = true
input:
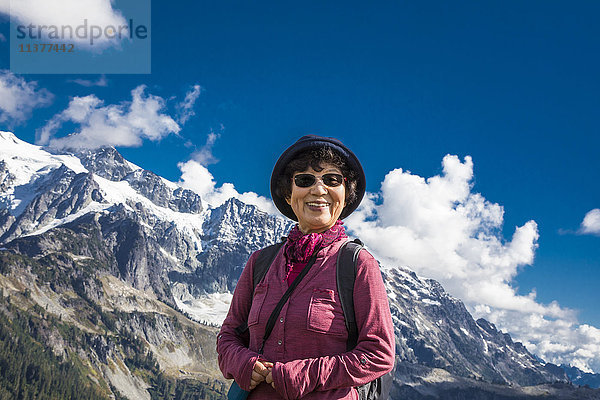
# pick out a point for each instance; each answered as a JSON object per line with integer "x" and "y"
{"x": 308, "y": 342}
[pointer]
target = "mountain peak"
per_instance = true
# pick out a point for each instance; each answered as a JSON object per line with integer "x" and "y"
{"x": 9, "y": 137}
{"x": 106, "y": 162}
{"x": 12, "y": 145}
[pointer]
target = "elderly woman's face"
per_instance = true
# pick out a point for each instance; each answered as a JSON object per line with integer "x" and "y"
{"x": 318, "y": 206}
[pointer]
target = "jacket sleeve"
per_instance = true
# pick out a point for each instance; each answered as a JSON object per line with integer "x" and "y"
{"x": 372, "y": 357}
{"x": 236, "y": 361}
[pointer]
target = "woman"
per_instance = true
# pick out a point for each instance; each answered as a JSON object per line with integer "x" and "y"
{"x": 317, "y": 181}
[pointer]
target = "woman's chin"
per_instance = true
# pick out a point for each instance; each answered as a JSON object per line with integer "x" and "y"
{"x": 315, "y": 225}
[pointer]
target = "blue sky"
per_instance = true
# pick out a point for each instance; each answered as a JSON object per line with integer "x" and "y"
{"x": 512, "y": 84}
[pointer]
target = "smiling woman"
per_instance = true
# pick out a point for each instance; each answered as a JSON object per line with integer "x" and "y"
{"x": 305, "y": 347}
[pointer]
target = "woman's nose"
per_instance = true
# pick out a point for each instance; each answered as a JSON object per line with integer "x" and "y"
{"x": 319, "y": 187}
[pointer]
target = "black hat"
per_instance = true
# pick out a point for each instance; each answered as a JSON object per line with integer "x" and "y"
{"x": 310, "y": 142}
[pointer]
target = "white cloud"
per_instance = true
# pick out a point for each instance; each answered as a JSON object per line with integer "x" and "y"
{"x": 185, "y": 109}
{"x": 102, "y": 82}
{"x": 556, "y": 339}
{"x": 196, "y": 177}
{"x": 205, "y": 156}
{"x": 125, "y": 124}
{"x": 51, "y": 16}
{"x": 18, "y": 98}
{"x": 442, "y": 230}
{"x": 591, "y": 223}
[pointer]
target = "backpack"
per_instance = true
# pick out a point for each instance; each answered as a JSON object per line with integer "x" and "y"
{"x": 378, "y": 389}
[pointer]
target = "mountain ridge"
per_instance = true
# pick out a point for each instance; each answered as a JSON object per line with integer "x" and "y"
{"x": 159, "y": 241}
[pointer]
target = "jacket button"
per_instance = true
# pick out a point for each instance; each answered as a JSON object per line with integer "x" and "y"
{"x": 363, "y": 361}
{"x": 279, "y": 342}
{"x": 281, "y": 320}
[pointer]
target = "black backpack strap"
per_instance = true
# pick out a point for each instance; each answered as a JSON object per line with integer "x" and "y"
{"x": 261, "y": 266}
{"x": 263, "y": 262}
{"x": 378, "y": 389}
{"x": 284, "y": 299}
{"x": 346, "y": 275}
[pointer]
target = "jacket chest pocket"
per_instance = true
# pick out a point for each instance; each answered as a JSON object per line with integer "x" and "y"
{"x": 258, "y": 300}
{"x": 325, "y": 313}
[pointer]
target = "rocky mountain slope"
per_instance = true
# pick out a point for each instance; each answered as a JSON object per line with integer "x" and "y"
{"x": 107, "y": 261}
{"x": 581, "y": 378}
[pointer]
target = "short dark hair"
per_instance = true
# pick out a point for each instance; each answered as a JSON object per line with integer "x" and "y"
{"x": 316, "y": 158}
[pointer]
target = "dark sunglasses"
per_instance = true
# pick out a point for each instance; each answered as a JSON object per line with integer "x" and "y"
{"x": 307, "y": 180}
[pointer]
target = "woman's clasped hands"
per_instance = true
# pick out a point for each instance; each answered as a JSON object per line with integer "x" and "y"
{"x": 262, "y": 372}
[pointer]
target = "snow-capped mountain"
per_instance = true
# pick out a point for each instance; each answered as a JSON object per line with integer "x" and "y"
{"x": 434, "y": 329}
{"x": 581, "y": 378}
{"x": 161, "y": 232}
{"x": 94, "y": 209}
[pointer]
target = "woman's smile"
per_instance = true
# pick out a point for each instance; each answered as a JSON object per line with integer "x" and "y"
{"x": 317, "y": 204}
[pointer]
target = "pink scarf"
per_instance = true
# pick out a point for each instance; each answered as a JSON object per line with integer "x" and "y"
{"x": 299, "y": 247}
